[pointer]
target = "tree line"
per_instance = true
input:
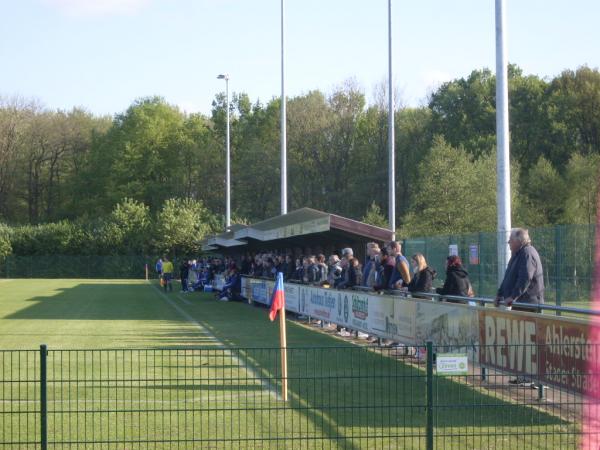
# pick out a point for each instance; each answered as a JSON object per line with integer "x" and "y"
{"x": 65, "y": 169}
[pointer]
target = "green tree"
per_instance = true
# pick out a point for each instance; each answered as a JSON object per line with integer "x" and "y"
{"x": 181, "y": 225}
{"x": 545, "y": 192}
{"x": 454, "y": 195}
{"x": 573, "y": 99}
{"x": 5, "y": 246}
{"x": 374, "y": 216}
{"x": 129, "y": 227}
{"x": 464, "y": 112}
{"x": 582, "y": 177}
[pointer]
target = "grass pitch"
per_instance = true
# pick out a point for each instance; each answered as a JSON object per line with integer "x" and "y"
{"x": 132, "y": 367}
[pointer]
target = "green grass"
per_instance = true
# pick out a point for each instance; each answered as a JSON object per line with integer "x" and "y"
{"x": 188, "y": 368}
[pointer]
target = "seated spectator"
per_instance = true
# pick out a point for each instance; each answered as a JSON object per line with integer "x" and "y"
{"x": 457, "y": 279}
{"x": 233, "y": 288}
{"x": 423, "y": 275}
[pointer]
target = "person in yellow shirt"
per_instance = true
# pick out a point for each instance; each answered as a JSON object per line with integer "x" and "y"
{"x": 167, "y": 269}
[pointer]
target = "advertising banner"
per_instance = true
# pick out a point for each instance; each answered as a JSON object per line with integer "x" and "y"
{"x": 449, "y": 364}
{"x": 553, "y": 349}
{"x": 473, "y": 254}
{"x": 258, "y": 291}
{"x": 565, "y": 349}
{"x": 320, "y": 303}
{"x": 446, "y": 324}
{"x": 292, "y": 297}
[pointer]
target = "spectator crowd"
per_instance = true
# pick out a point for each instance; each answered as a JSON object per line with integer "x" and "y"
{"x": 383, "y": 269}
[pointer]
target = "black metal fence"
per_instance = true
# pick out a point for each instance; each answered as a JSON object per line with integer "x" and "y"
{"x": 338, "y": 397}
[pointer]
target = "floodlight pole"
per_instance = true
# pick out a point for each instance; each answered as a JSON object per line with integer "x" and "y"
{"x": 391, "y": 134}
{"x": 283, "y": 118}
{"x": 228, "y": 157}
{"x": 502, "y": 141}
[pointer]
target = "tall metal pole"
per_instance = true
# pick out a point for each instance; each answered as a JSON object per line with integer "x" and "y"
{"x": 502, "y": 140}
{"x": 391, "y": 134}
{"x": 228, "y": 195}
{"x": 283, "y": 118}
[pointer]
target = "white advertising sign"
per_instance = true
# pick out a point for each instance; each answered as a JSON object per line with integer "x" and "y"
{"x": 452, "y": 364}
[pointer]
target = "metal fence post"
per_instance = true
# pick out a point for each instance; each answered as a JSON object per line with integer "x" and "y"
{"x": 429, "y": 431}
{"x": 557, "y": 265}
{"x": 43, "y": 398}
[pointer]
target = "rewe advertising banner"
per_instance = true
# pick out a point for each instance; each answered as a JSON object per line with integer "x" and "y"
{"x": 553, "y": 349}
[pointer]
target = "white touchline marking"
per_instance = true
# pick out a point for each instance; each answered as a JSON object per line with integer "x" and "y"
{"x": 190, "y": 319}
{"x": 184, "y": 300}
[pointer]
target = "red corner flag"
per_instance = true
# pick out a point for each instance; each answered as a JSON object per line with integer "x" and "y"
{"x": 278, "y": 297}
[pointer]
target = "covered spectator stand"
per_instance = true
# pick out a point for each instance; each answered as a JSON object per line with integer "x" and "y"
{"x": 304, "y": 231}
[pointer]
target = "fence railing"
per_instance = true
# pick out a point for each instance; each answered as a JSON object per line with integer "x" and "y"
{"x": 339, "y": 397}
{"x": 566, "y": 251}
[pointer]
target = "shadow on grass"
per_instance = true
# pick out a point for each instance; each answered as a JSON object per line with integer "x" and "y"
{"x": 98, "y": 301}
{"x": 354, "y": 386}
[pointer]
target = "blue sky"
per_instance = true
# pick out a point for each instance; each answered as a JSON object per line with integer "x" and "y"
{"x": 103, "y": 54}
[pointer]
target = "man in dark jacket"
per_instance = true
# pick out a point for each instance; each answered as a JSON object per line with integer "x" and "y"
{"x": 184, "y": 270}
{"x": 524, "y": 278}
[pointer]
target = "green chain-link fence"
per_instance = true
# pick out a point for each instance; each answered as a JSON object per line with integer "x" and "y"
{"x": 67, "y": 266}
{"x": 230, "y": 398}
{"x": 567, "y": 253}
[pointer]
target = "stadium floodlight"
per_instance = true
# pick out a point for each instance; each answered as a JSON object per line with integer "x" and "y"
{"x": 225, "y": 76}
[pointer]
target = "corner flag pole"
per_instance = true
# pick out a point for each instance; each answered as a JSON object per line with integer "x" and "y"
{"x": 278, "y": 306}
{"x": 283, "y": 346}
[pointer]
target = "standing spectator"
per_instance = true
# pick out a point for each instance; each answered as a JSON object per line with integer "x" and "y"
{"x": 352, "y": 271}
{"x": 321, "y": 269}
{"x": 334, "y": 272}
{"x": 289, "y": 268}
{"x": 370, "y": 271}
{"x": 159, "y": 267}
{"x": 305, "y": 264}
{"x": 246, "y": 263}
{"x": 184, "y": 270}
{"x": 385, "y": 268}
{"x": 524, "y": 278}
{"x": 312, "y": 270}
{"x": 167, "y": 274}
{"x": 457, "y": 279}
{"x": 299, "y": 271}
{"x": 422, "y": 281}
{"x": 401, "y": 273}
{"x": 369, "y": 266}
